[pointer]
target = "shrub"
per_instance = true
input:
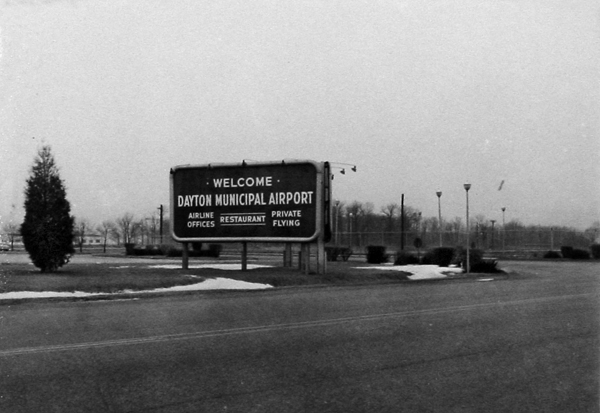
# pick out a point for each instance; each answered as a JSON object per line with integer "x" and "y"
{"x": 332, "y": 253}
{"x": 376, "y": 254}
{"x": 566, "y": 251}
{"x": 579, "y": 254}
{"x": 129, "y": 248}
{"x": 460, "y": 256}
{"x": 173, "y": 251}
{"x": 485, "y": 266}
{"x": 595, "y": 248}
{"x": 346, "y": 253}
{"x": 405, "y": 258}
{"x": 165, "y": 248}
{"x": 335, "y": 252}
{"x": 441, "y": 256}
{"x": 552, "y": 255}
{"x": 214, "y": 250}
{"x": 147, "y": 250}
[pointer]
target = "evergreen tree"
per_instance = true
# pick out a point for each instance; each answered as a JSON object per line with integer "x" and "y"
{"x": 48, "y": 226}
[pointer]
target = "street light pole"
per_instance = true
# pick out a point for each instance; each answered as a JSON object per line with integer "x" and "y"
{"x": 503, "y": 229}
{"x": 439, "y": 195}
{"x": 160, "y": 228}
{"x": 467, "y": 187}
{"x": 402, "y": 223}
{"x": 337, "y": 221}
{"x": 350, "y": 216}
{"x": 493, "y": 221}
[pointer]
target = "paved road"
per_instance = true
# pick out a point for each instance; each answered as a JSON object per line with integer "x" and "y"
{"x": 526, "y": 344}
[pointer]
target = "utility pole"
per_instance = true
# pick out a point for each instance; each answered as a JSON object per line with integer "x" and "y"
{"x": 468, "y": 266}
{"x": 503, "y": 230}
{"x": 402, "y": 223}
{"x": 439, "y": 195}
{"x": 160, "y": 208}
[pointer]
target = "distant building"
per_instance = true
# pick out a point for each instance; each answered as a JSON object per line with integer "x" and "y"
{"x": 94, "y": 239}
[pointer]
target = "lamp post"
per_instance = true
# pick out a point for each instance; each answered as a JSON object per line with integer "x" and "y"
{"x": 493, "y": 221}
{"x": 350, "y": 216}
{"x": 337, "y": 221}
{"x": 503, "y": 229}
{"x": 439, "y": 195}
{"x": 161, "y": 210}
{"x": 150, "y": 227}
{"x": 467, "y": 187}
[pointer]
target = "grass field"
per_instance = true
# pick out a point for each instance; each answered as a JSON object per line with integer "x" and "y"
{"x": 112, "y": 278}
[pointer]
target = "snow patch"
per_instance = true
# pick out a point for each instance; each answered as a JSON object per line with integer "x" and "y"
{"x": 420, "y": 272}
{"x": 208, "y": 284}
{"x": 215, "y": 266}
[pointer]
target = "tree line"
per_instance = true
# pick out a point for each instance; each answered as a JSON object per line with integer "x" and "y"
{"x": 360, "y": 223}
{"x": 127, "y": 229}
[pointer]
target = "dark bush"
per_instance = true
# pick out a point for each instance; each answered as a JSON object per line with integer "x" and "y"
{"x": 595, "y": 248}
{"x": 332, "y": 253}
{"x": 566, "y": 251}
{"x": 405, "y": 258}
{"x": 376, "y": 254}
{"x": 552, "y": 255}
{"x": 129, "y": 249}
{"x": 138, "y": 251}
{"x": 165, "y": 248}
{"x": 460, "y": 257}
{"x": 441, "y": 256}
{"x": 214, "y": 250}
{"x": 335, "y": 252}
{"x": 346, "y": 253}
{"x": 147, "y": 250}
{"x": 579, "y": 254}
{"x": 173, "y": 251}
{"x": 485, "y": 266}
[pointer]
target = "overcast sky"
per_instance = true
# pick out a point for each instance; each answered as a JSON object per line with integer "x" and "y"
{"x": 420, "y": 94}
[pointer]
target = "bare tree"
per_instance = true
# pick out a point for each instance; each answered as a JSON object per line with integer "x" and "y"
{"x": 354, "y": 212}
{"x": 126, "y": 227}
{"x": 81, "y": 227}
{"x": 115, "y": 233}
{"x": 412, "y": 217}
{"x": 105, "y": 229}
{"x": 337, "y": 219}
{"x": 593, "y": 232}
{"x": 12, "y": 230}
{"x": 141, "y": 227}
{"x": 456, "y": 226}
{"x": 389, "y": 212}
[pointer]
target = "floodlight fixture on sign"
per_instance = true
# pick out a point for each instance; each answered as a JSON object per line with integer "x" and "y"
{"x": 353, "y": 167}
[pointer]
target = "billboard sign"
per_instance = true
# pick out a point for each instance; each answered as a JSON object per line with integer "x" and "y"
{"x": 279, "y": 202}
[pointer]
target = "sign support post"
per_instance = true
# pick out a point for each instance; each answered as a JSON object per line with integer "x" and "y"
{"x": 287, "y": 255}
{"x": 244, "y": 256}
{"x": 322, "y": 255}
{"x": 185, "y": 257}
